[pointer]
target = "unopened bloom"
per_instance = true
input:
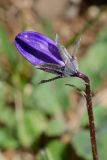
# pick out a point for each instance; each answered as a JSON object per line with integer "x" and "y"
{"x": 46, "y": 54}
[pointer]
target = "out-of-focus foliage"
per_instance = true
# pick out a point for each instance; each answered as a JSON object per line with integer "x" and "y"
{"x": 95, "y": 66}
{"x": 54, "y": 150}
{"x": 94, "y": 62}
{"x": 81, "y": 141}
{"x": 33, "y": 117}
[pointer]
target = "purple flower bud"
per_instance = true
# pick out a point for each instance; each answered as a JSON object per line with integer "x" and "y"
{"x": 38, "y": 49}
{"x": 46, "y": 54}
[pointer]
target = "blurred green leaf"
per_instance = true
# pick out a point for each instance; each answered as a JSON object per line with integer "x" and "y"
{"x": 81, "y": 143}
{"x": 31, "y": 128}
{"x": 2, "y": 94}
{"x": 56, "y": 149}
{"x": 62, "y": 93}
{"x": 5, "y": 110}
{"x": 102, "y": 140}
{"x": 23, "y": 137}
{"x": 7, "y": 140}
{"x": 35, "y": 123}
{"x": 5, "y": 113}
{"x": 6, "y": 47}
{"x": 100, "y": 114}
{"x": 56, "y": 127}
{"x": 50, "y": 97}
{"x": 44, "y": 155}
{"x": 94, "y": 63}
{"x": 81, "y": 140}
{"x": 46, "y": 100}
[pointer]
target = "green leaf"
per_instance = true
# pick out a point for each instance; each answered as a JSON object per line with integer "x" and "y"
{"x": 7, "y": 140}
{"x": 102, "y": 140}
{"x": 81, "y": 140}
{"x": 46, "y": 99}
{"x": 44, "y": 95}
{"x": 56, "y": 127}
{"x": 56, "y": 149}
{"x": 62, "y": 93}
{"x": 94, "y": 63}
{"x": 50, "y": 97}
{"x": 5, "y": 110}
{"x": 2, "y": 94}
{"x": 81, "y": 143}
{"x": 44, "y": 155}
{"x": 32, "y": 126}
{"x": 100, "y": 114}
{"x": 6, "y": 47}
{"x": 35, "y": 122}
{"x": 5, "y": 114}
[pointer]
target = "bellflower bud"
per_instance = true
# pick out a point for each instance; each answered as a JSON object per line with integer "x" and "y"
{"x": 46, "y": 54}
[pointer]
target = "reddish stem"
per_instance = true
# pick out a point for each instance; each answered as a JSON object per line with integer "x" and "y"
{"x": 90, "y": 113}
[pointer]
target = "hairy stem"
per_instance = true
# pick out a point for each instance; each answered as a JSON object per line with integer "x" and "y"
{"x": 90, "y": 113}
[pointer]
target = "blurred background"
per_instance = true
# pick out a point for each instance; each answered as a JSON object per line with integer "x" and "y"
{"x": 49, "y": 122}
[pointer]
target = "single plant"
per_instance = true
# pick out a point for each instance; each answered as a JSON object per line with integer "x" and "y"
{"x": 50, "y": 56}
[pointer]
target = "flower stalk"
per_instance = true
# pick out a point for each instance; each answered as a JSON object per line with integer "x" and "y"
{"x": 90, "y": 113}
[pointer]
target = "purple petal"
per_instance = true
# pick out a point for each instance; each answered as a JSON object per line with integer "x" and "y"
{"x": 37, "y": 48}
